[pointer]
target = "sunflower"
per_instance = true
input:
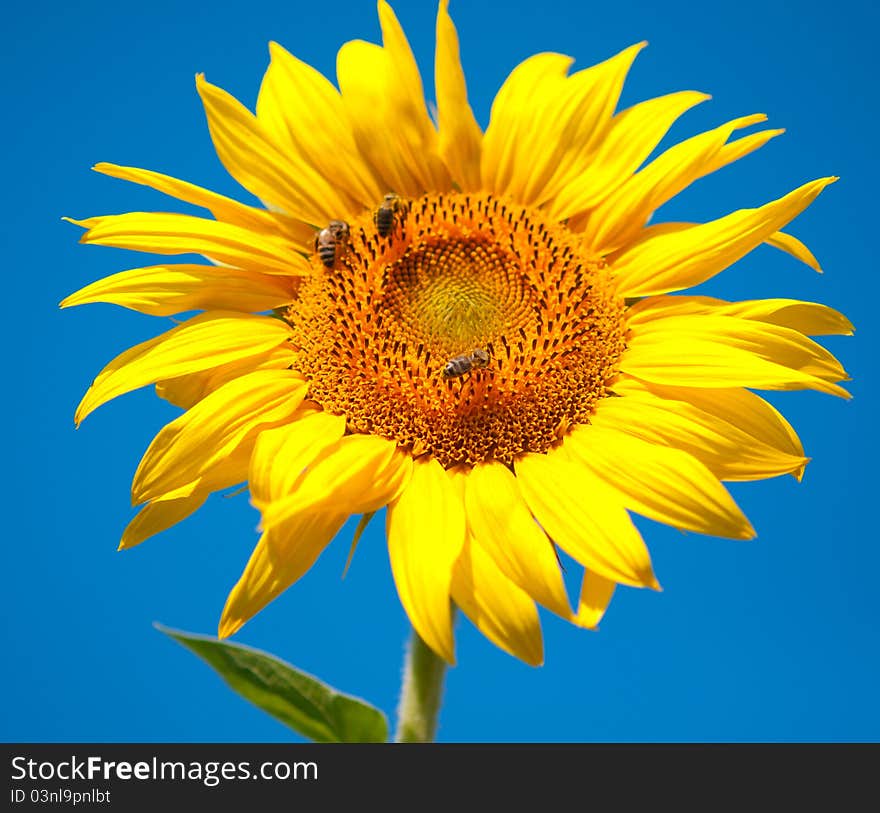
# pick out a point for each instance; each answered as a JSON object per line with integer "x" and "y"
{"x": 478, "y": 331}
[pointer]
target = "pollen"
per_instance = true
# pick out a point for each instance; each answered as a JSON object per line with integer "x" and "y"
{"x": 457, "y": 274}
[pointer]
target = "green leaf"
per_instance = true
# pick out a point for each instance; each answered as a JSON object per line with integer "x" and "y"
{"x": 309, "y": 706}
{"x": 361, "y": 527}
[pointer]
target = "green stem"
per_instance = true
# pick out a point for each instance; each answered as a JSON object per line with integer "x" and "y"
{"x": 420, "y": 693}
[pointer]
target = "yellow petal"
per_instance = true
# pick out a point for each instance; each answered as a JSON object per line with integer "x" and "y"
{"x": 200, "y": 343}
{"x": 659, "y": 482}
{"x": 163, "y": 290}
{"x": 195, "y": 445}
{"x": 618, "y": 218}
{"x": 584, "y": 120}
{"x": 222, "y": 207}
{"x": 659, "y": 263}
{"x": 460, "y": 137}
{"x": 544, "y": 125}
{"x": 698, "y": 350}
{"x": 159, "y": 516}
{"x": 630, "y": 139}
{"x": 569, "y": 127}
{"x": 596, "y": 594}
{"x": 283, "y": 554}
{"x": 408, "y": 100}
{"x": 738, "y": 149}
{"x": 781, "y": 240}
{"x": 734, "y": 150}
{"x": 809, "y": 318}
{"x": 791, "y": 245}
{"x": 382, "y": 92}
{"x": 168, "y": 233}
{"x": 727, "y": 451}
{"x": 360, "y": 473}
{"x": 741, "y": 408}
{"x": 187, "y": 390}
{"x": 254, "y": 158}
{"x": 496, "y": 606}
{"x": 282, "y": 454}
{"x": 364, "y": 72}
{"x": 305, "y": 113}
{"x": 507, "y": 130}
{"x": 426, "y": 531}
{"x": 584, "y": 517}
{"x": 502, "y": 525}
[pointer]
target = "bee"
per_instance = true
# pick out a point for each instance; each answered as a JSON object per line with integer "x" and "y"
{"x": 337, "y": 232}
{"x": 385, "y": 214}
{"x": 465, "y": 363}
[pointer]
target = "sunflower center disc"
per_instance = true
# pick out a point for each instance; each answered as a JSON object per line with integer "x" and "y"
{"x": 460, "y": 273}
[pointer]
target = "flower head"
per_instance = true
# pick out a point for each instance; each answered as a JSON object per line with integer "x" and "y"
{"x": 478, "y": 331}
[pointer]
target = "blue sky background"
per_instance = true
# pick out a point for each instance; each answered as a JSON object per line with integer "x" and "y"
{"x": 769, "y": 640}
